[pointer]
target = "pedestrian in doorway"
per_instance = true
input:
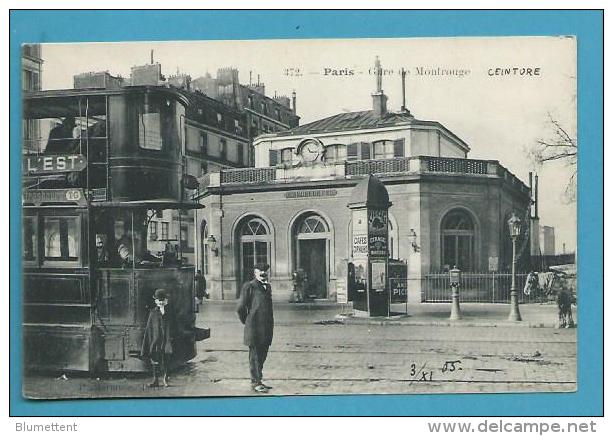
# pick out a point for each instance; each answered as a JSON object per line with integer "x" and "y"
{"x": 255, "y": 312}
{"x": 158, "y": 337}
{"x": 200, "y": 282}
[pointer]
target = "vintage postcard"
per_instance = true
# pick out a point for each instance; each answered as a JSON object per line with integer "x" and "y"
{"x": 299, "y": 217}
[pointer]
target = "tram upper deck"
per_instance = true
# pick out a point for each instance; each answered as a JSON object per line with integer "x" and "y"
{"x": 116, "y": 145}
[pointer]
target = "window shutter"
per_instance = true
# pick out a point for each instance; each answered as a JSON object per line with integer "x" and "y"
{"x": 352, "y": 151}
{"x": 273, "y": 156}
{"x": 399, "y": 148}
{"x": 365, "y": 151}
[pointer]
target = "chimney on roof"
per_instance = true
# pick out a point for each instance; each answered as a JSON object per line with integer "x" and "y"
{"x": 294, "y": 101}
{"x": 379, "y": 99}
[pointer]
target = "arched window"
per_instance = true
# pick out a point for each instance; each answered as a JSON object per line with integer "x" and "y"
{"x": 457, "y": 240}
{"x": 313, "y": 224}
{"x": 254, "y": 238}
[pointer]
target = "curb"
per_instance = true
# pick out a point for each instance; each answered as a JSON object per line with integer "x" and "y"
{"x": 446, "y": 323}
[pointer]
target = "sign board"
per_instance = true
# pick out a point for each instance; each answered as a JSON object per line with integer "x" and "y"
{"x": 378, "y": 276}
{"x": 40, "y": 196}
{"x": 493, "y": 263}
{"x": 41, "y": 164}
{"x": 377, "y": 232}
{"x": 360, "y": 245}
{"x": 377, "y": 222}
{"x": 341, "y": 291}
{"x": 397, "y": 272}
{"x": 377, "y": 246}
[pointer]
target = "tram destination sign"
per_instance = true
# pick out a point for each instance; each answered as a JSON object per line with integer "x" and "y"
{"x": 61, "y": 163}
{"x": 40, "y": 196}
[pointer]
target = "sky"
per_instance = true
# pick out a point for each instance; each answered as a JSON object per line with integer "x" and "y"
{"x": 449, "y": 80}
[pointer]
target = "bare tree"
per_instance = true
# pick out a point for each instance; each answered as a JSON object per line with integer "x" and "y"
{"x": 560, "y": 146}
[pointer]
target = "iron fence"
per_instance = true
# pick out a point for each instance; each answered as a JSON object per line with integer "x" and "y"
{"x": 491, "y": 287}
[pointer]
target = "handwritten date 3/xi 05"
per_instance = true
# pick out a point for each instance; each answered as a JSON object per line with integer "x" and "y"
{"x": 420, "y": 374}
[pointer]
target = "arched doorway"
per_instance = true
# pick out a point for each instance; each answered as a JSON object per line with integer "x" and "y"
{"x": 312, "y": 254}
{"x": 254, "y": 243}
{"x": 457, "y": 240}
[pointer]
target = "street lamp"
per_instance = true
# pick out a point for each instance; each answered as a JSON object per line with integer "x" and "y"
{"x": 514, "y": 230}
{"x": 454, "y": 282}
{"x": 413, "y": 240}
{"x": 212, "y": 242}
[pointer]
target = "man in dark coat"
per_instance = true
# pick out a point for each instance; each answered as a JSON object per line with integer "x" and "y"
{"x": 158, "y": 337}
{"x": 255, "y": 312}
{"x": 60, "y": 138}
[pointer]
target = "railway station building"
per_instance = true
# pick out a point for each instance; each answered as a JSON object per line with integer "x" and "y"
{"x": 290, "y": 210}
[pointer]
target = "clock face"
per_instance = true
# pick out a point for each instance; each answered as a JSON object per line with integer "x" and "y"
{"x": 311, "y": 151}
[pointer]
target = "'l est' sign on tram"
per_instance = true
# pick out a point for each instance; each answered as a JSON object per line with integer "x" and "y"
{"x": 98, "y": 165}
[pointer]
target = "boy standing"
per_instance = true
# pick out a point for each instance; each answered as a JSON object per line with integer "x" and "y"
{"x": 157, "y": 340}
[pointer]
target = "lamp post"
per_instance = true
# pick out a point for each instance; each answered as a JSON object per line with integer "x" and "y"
{"x": 514, "y": 230}
{"x": 454, "y": 282}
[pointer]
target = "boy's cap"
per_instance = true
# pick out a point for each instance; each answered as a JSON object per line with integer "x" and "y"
{"x": 160, "y": 294}
{"x": 261, "y": 266}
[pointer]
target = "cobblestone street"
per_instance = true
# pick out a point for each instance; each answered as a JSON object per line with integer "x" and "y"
{"x": 315, "y": 353}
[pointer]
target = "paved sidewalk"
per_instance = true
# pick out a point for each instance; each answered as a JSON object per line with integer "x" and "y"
{"x": 473, "y": 315}
{"x": 534, "y": 315}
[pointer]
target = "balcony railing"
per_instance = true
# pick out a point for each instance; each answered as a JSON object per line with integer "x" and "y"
{"x": 451, "y": 165}
{"x": 248, "y": 175}
{"x": 381, "y": 167}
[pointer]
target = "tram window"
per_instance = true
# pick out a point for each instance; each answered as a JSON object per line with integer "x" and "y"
{"x": 30, "y": 239}
{"x": 149, "y": 127}
{"x": 61, "y": 238}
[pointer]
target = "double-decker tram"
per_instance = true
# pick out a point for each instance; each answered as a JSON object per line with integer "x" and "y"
{"x": 98, "y": 165}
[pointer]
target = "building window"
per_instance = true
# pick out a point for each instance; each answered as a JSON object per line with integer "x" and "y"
{"x": 240, "y": 151}
{"x": 399, "y": 148}
{"x": 273, "y": 157}
{"x": 203, "y": 168}
{"x": 365, "y": 151}
{"x": 165, "y": 229}
{"x": 153, "y": 230}
{"x": 278, "y": 114}
{"x": 219, "y": 119}
{"x": 383, "y": 150}
{"x": 352, "y": 151}
{"x": 254, "y": 246}
{"x": 223, "y": 149}
{"x": 237, "y": 127}
{"x": 286, "y": 155}
{"x": 61, "y": 238}
{"x": 30, "y": 81}
{"x": 204, "y": 142}
{"x": 250, "y": 101}
{"x": 30, "y": 239}
{"x": 457, "y": 240}
{"x": 184, "y": 238}
{"x": 335, "y": 153}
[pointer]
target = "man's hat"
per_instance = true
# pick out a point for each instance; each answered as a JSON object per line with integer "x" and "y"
{"x": 160, "y": 294}
{"x": 261, "y": 266}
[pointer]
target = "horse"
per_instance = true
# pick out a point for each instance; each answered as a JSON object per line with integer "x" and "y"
{"x": 558, "y": 285}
